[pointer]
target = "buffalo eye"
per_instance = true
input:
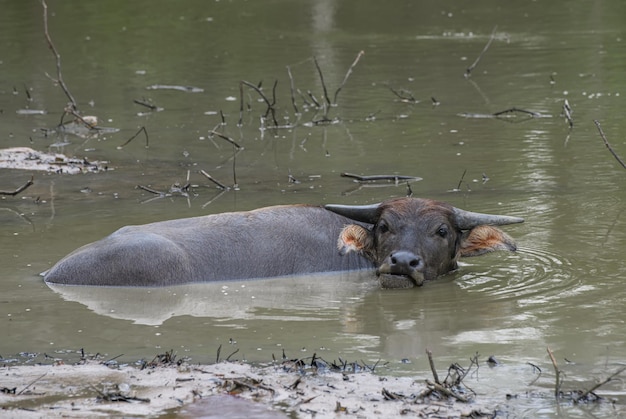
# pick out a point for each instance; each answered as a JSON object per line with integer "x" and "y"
{"x": 442, "y": 231}
{"x": 383, "y": 227}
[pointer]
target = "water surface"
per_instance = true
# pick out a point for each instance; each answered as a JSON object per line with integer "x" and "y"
{"x": 563, "y": 289}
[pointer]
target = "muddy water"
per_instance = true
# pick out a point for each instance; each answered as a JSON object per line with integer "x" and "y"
{"x": 564, "y": 289}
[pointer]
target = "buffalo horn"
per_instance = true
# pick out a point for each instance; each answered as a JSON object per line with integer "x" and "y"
{"x": 363, "y": 213}
{"x": 467, "y": 220}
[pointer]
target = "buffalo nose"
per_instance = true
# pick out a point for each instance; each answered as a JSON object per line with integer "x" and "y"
{"x": 404, "y": 263}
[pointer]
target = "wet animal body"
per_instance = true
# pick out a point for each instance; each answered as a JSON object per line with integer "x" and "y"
{"x": 405, "y": 240}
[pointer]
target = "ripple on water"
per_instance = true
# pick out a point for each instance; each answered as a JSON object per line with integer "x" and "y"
{"x": 532, "y": 276}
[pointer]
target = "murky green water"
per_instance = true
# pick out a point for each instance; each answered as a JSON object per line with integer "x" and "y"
{"x": 564, "y": 289}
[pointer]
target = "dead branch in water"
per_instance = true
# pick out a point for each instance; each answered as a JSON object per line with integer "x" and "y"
{"x": 458, "y": 187}
{"x": 148, "y": 189}
{"x": 557, "y": 372}
{"x": 446, "y": 388}
{"x": 348, "y": 73}
{"x": 146, "y": 104}
{"x": 373, "y": 178}
{"x": 292, "y": 87}
{"x": 212, "y": 179}
{"x": 175, "y": 189}
{"x": 270, "y": 105}
{"x": 606, "y": 143}
{"x": 18, "y": 190}
{"x": 432, "y": 366}
{"x": 567, "y": 111}
{"x": 57, "y": 56}
{"x": 441, "y": 389}
{"x": 586, "y": 393}
{"x": 404, "y": 95}
{"x": 469, "y": 69}
{"x": 89, "y": 121}
{"x": 514, "y": 109}
{"x": 133, "y": 137}
{"x": 319, "y": 71}
{"x": 235, "y": 184}
{"x": 227, "y": 138}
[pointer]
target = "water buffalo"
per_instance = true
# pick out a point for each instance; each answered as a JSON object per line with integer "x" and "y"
{"x": 406, "y": 238}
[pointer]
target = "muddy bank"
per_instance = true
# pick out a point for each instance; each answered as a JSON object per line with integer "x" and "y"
{"x": 225, "y": 389}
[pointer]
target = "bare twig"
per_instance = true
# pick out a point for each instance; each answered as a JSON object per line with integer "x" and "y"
{"x": 557, "y": 371}
{"x": 270, "y": 106}
{"x": 349, "y": 72}
{"x": 235, "y": 184}
{"x": 233, "y": 353}
{"x": 536, "y": 368}
{"x": 293, "y": 90}
{"x": 458, "y": 188}
{"x": 240, "y": 122}
{"x": 514, "y": 109}
{"x": 56, "y": 55}
{"x": 469, "y": 69}
{"x": 133, "y": 137}
{"x": 148, "y": 189}
{"x": 146, "y": 104}
{"x": 18, "y": 190}
{"x": 226, "y": 137}
{"x": 432, "y": 366}
{"x": 438, "y": 387}
{"x": 567, "y": 111}
{"x": 600, "y": 384}
{"x": 319, "y": 71}
{"x": 89, "y": 124}
{"x": 606, "y": 143}
{"x": 372, "y": 178}
{"x": 314, "y": 99}
{"x": 404, "y": 95}
{"x": 212, "y": 179}
{"x": 31, "y": 383}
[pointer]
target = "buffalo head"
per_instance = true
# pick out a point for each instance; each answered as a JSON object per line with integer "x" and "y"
{"x": 413, "y": 240}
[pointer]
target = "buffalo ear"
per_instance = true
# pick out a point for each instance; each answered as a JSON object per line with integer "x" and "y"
{"x": 354, "y": 238}
{"x": 485, "y": 239}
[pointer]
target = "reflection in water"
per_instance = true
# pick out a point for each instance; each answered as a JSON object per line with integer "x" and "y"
{"x": 306, "y": 298}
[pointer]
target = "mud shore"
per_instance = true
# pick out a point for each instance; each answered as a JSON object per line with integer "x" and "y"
{"x": 224, "y": 389}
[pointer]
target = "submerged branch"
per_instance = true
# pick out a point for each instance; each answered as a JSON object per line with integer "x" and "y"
{"x": 432, "y": 366}
{"x": 18, "y": 190}
{"x": 227, "y": 138}
{"x": 404, "y": 95}
{"x": 56, "y": 55}
{"x": 212, "y": 179}
{"x": 567, "y": 111}
{"x": 606, "y": 143}
{"x": 134, "y": 136}
{"x": 600, "y": 384}
{"x": 348, "y": 73}
{"x": 319, "y": 71}
{"x": 270, "y": 105}
{"x": 292, "y": 86}
{"x": 469, "y": 69}
{"x": 514, "y": 109}
{"x": 557, "y": 371}
{"x": 373, "y": 178}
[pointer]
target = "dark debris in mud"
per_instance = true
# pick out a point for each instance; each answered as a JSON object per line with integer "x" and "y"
{"x": 308, "y": 386}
